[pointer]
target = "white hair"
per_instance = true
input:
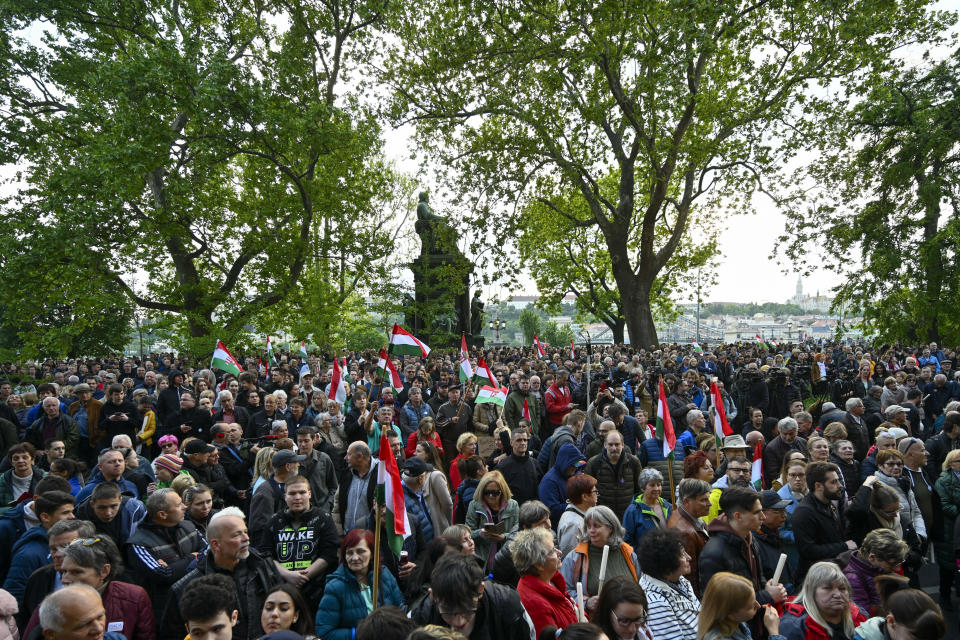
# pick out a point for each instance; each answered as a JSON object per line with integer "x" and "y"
{"x": 51, "y": 609}
{"x": 213, "y": 528}
{"x": 224, "y": 394}
{"x": 280, "y": 393}
{"x": 121, "y": 440}
{"x": 852, "y": 402}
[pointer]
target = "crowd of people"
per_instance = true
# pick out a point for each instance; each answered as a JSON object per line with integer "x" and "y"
{"x": 152, "y": 498}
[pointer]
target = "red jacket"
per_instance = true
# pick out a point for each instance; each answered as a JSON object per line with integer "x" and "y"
{"x": 547, "y": 604}
{"x": 557, "y": 400}
{"x": 411, "y": 448}
{"x": 796, "y": 623}
{"x": 129, "y": 611}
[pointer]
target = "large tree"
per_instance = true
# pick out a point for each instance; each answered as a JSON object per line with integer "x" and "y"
{"x": 192, "y": 156}
{"x": 888, "y": 219}
{"x": 682, "y": 99}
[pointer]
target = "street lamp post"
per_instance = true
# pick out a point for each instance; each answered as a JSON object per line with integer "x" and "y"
{"x": 496, "y": 325}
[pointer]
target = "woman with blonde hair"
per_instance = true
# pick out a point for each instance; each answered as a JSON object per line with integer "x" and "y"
{"x": 426, "y": 432}
{"x": 823, "y": 608}
{"x": 262, "y": 467}
{"x": 818, "y": 448}
{"x": 491, "y": 515}
{"x": 729, "y": 603}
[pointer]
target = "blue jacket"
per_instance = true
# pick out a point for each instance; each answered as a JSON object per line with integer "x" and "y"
{"x": 12, "y": 526}
{"x": 639, "y": 519}
{"x": 126, "y": 487}
{"x": 131, "y": 514}
{"x": 652, "y": 451}
{"x": 417, "y": 509}
{"x": 342, "y": 606}
{"x": 631, "y": 431}
{"x": 29, "y": 553}
{"x": 553, "y": 487}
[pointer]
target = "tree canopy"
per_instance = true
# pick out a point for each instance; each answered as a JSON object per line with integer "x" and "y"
{"x": 889, "y": 216}
{"x": 189, "y": 158}
{"x": 522, "y": 101}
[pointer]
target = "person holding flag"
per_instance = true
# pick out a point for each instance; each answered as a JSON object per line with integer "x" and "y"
{"x": 224, "y": 360}
{"x": 466, "y": 370}
{"x": 454, "y": 418}
{"x": 521, "y": 404}
{"x": 304, "y": 360}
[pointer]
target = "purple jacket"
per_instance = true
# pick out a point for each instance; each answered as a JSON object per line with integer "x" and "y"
{"x": 863, "y": 591}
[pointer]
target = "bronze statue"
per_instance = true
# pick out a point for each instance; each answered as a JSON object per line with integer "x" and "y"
{"x": 476, "y": 314}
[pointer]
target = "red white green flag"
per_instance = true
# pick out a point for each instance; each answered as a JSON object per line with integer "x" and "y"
{"x": 403, "y": 343}
{"x": 390, "y": 494}
{"x": 696, "y": 346}
{"x": 540, "y": 352}
{"x": 388, "y": 372}
{"x": 304, "y": 359}
{"x": 757, "y": 472}
{"x": 271, "y": 359}
{"x": 338, "y": 390}
{"x": 720, "y": 425}
{"x": 665, "y": 424}
{"x": 224, "y": 360}
{"x": 466, "y": 370}
{"x": 483, "y": 376}
{"x": 492, "y": 395}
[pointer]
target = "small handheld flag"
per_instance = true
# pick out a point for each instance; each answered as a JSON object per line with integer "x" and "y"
{"x": 390, "y": 494}
{"x": 492, "y": 395}
{"x": 403, "y": 343}
{"x": 388, "y": 372}
{"x": 337, "y": 390}
{"x": 466, "y": 371}
{"x": 758, "y": 465}
{"x": 665, "y": 424}
{"x": 540, "y": 352}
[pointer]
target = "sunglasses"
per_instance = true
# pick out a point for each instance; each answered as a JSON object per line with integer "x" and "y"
{"x": 493, "y": 493}
{"x": 86, "y": 542}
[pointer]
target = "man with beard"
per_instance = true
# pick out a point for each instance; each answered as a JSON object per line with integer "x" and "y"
{"x": 738, "y": 474}
{"x": 818, "y": 521}
{"x": 229, "y": 554}
{"x": 521, "y": 404}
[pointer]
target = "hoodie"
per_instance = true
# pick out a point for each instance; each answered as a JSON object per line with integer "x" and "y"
{"x": 13, "y": 524}
{"x": 29, "y": 553}
{"x": 553, "y": 487}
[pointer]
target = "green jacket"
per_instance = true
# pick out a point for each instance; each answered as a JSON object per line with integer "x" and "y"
{"x": 513, "y": 410}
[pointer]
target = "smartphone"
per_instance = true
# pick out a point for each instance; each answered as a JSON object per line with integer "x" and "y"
{"x": 404, "y": 556}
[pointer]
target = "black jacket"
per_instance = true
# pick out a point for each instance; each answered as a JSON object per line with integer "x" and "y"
{"x": 771, "y": 546}
{"x": 174, "y": 545}
{"x": 168, "y": 402}
{"x": 727, "y": 551}
{"x": 849, "y": 474}
{"x": 522, "y": 475}
{"x": 110, "y": 428}
{"x": 253, "y": 576}
{"x": 819, "y": 531}
{"x": 196, "y": 418}
{"x": 857, "y": 434}
{"x": 500, "y": 615}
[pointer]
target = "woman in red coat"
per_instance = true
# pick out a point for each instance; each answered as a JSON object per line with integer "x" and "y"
{"x": 542, "y": 589}
{"x": 426, "y": 432}
{"x": 96, "y": 562}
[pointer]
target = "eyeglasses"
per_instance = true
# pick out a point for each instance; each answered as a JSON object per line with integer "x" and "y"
{"x": 86, "y": 542}
{"x": 738, "y": 471}
{"x": 493, "y": 493}
{"x": 450, "y": 616}
{"x": 797, "y": 475}
{"x": 629, "y": 622}
{"x": 595, "y": 490}
{"x": 892, "y": 463}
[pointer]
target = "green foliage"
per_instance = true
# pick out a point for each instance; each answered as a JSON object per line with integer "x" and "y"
{"x": 557, "y": 335}
{"x": 893, "y": 199}
{"x": 192, "y": 158}
{"x": 531, "y": 323}
{"x": 738, "y": 309}
{"x": 564, "y": 257}
{"x": 692, "y": 103}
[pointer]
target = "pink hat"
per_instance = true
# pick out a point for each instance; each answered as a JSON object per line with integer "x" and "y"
{"x": 168, "y": 438}
{"x": 169, "y": 462}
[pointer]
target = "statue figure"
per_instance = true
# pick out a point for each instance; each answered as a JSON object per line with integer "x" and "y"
{"x": 476, "y": 314}
{"x": 426, "y": 226}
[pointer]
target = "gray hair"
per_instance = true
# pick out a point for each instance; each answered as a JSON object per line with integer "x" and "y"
{"x": 324, "y": 415}
{"x": 787, "y": 424}
{"x": 532, "y": 512}
{"x": 647, "y": 476}
{"x": 803, "y": 415}
{"x": 850, "y": 404}
{"x": 280, "y": 394}
{"x": 157, "y": 502}
{"x": 604, "y": 516}
{"x": 693, "y": 413}
{"x": 276, "y": 424}
{"x": 819, "y": 575}
{"x": 953, "y": 405}
{"x": 84, "y": 528}
{"x": 51, "y": 609}
{"x": 95, "y": 555}
{"x": 224, "y": 394}
{"x": 121, "y": 440}
{"x": 691, "y": 488}
{"x": 213, "y": 527}
{"x": 528, "y": 549}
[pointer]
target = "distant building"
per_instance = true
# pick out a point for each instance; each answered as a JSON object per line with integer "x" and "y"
{"x": 810, "y": 303}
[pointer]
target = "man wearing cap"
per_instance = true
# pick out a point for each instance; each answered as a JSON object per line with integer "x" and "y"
{"x": 195, "y": 455}
{"x": 85, "y": 411}
{"x": 268, "y": 498}
{"x": 413, "y": 477}
{"x": 768, "y": 540}
{"x": 454, "y": 418}
{"x": 897, "y": 416}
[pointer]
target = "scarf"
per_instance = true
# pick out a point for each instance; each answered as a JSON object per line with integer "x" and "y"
{"x": 893, "y": 525}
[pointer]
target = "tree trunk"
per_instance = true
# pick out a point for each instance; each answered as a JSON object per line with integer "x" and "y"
{"x": 617, "y": 328}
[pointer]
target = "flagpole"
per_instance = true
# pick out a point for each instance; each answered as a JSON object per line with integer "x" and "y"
{"x": 673, "y": 493}
{"x": 376, "y": 553}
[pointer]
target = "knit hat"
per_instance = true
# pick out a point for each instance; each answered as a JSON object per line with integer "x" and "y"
{"x": 169, "y": 462}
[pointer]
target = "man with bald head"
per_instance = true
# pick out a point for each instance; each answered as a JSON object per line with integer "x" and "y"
{"x": 75, "y": 612}
{"x": 54, "y": 424}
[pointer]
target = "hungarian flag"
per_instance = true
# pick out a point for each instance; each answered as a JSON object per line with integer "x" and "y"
{"x": 403, "y": 343}
{"x": 345, "y": 370}
{"x": 665, "y": 425}
{"x": 720, "y": 425}
{"x": 305, "y": 366}
{"x": 260, "y": 368}
{"x": 757, "y": 472}
{"x": 337, "y": 389}
{"x": 224, "y": 360}
{"x": 526, "y": 410}
{"x": 774, "y": 343}
{"x": 696, "y": 347}
{"x": 573, "y": 350}
{"x": 271, "y": 359}
{"x": 761, "y": 342}
{"x": 540, "y": 352}
{"x": 482, "y": 375}
{"x": 466, "y": 371}
{"x": 492, "y": 395}
{"x": 388, "y": 372}
{"x": 390, "y": 493}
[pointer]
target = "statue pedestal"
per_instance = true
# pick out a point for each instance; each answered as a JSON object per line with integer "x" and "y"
{"x": 476, "y": 341}
{"x": 442, "y": 298}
